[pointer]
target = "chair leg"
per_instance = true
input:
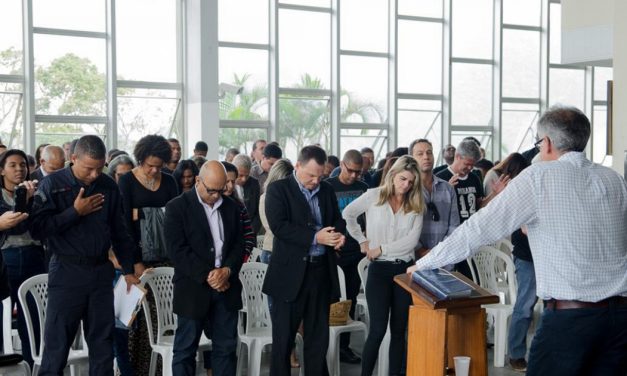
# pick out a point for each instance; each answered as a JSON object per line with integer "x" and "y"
{"x": 167, "y": 363}
{"x": 333, "y": 358}
{"x": 153, "y": 364}
{"x": 500, "y": 339}
{"x": 240, "y": 359}
{"x": 254, "y": 358}
{"x": 300, "y": 352}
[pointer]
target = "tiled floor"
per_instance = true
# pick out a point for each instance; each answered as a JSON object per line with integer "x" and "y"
{"x": 355, "y": 369}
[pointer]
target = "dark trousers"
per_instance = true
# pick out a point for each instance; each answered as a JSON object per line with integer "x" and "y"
{"x": 23, "y": 263}
{"x": 581, "y": 342}
{"x": 312, "y": 307}
{"x": 386, "y": 300}
{"x": 75, "y": 293}
{"x": 221, "y": 326}
{"x": 353, "y": 283}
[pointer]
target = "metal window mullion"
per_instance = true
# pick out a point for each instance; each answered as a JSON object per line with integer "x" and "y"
{"x": 273, "y": 71}
{"x": 248, "y": 46}
{"x": 471, "y": 128}
{"x": 69, "y": 33}
{"x": 72, "y": 119}
{"x": 29, "y": 76}
{"x": 521, "y": 27}
{"x": 111, "y": 77}
{"x": 418, "y": 96}
{"x": 545, "y": 55}
{"x": 520, "y": 100}
{"x": 468, "y": 60}
{"x": 588, "y": 106}
{"x": 12, "y": 78}
{"x": 381, "y": 55}
{"x": 402, "y": 17}
{"x": 315, "y": 93}
{"x": 380, "y": 126}
{"x": 336, "y": 87}
{"x": 497, "y": 81}
{"x": 244, "y": 124}
{"x": 149, "y": 85}
{"x": 392, "y": 56}
{"x": 180, "y": 73}
{"x": 305, "y": 8}
{"x": 447, "y": 66}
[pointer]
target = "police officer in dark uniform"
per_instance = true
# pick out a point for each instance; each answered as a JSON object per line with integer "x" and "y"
{"x": 78, "y": 212}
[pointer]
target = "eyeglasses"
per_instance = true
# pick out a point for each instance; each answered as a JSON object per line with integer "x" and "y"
{"x": 538, "y": 143}
{"x": 212, "y": 191}
{"x": 350, "y": 171}
{"x": 435, "y": 215}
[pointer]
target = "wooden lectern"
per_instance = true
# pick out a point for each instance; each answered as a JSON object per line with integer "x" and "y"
{"x": 441, "y": 329}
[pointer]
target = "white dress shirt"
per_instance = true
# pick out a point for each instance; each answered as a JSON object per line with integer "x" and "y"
{"x": 396, "y": 234}
{"x": 215, "y": 226}
{"x": 575, "y": 212}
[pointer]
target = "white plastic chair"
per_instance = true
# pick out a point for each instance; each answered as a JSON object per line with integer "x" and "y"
{"x": 333, "y": 351}
{"x": 38, "y": 287}
{"x": 260, "y": 241}
{"x": 496, "y": 269}
{"x": 160, "y": 283}
{"x": 255, "y": 255}
{"x": 21, "y": 368}
{"x": 383, "y": 361}
{"x": 362, "y": 304}
{"x": 258, "y": 333}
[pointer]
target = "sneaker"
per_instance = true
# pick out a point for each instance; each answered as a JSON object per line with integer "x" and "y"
{"x": 519, "y": 365}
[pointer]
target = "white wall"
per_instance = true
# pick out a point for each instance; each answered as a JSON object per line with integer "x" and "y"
{"x": 587, "y": 32}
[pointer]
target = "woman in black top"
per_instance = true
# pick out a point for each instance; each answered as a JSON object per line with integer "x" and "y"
{"x": 146, "y": 187}
{"x": 185, "y": 175}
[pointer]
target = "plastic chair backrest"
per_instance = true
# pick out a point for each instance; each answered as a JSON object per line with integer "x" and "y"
{"x": 252, "y": 275}
{"x": 362, "y": 270}
{"x": 160, "y": 283}
{"x": 260, "y": 241}
{"x": 37, "y": 286}
{"x": 494, "y": 268}
{"x": 255, "y": 255}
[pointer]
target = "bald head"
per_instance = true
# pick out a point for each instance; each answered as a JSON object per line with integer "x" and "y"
{"x": 211, "y": 181}
{"x": 52, "y": 159}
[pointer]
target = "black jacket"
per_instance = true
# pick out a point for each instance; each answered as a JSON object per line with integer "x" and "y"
{"x": 252, "y": 192}
{"x": 190, "y": 245}
{"x": 293, "y": 227}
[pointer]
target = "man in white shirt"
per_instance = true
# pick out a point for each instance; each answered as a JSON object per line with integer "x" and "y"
{"x": 575, "y": 212}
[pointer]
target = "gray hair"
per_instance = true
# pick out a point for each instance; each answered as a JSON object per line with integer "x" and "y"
{"x": 51, "y": 152}
{"x": 468, "y": 149}
{"x": 280, "y": 170}
{"x": 567, "y": 127}
{"x": 122, "y": 159}
{"x": 243, "y": 161}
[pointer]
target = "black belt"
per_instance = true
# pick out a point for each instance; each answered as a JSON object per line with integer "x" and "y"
{"x": 555, "y": 304}
{"x": 315, "y": 259}
{"x": 394, "y": 262}
{"x": 82, "y": 260}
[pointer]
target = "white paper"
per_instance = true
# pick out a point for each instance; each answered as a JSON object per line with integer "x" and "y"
{"x": 126, "y": 304}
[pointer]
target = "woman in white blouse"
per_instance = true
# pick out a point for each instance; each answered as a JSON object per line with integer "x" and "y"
{"x": 393, "y": 224}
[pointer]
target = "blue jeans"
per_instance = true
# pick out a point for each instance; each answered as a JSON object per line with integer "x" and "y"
{"x": 222, "y": 324}
{"x": 523, "y": 308}
{"x": 23, "y": 263}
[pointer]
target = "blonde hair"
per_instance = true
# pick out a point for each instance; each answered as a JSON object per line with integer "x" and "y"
{"x": 412, "y": 201}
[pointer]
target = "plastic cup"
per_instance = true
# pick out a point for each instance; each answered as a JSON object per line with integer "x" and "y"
{"x": 462, "y": 365}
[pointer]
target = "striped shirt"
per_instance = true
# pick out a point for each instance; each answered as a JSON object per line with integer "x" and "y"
{"x": 575, "y": 212}
{"x": 444, "y": 198}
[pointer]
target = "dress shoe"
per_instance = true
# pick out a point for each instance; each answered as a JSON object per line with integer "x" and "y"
{"x": 519, "y": 365}
{"x": 348, "y": 356}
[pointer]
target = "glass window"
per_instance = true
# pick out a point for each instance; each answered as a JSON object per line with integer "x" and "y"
{"x": 420, "y": 119}
{"x": 243, "y": 21}
{"x": 11, "y": 37}
{"x": 364, "y": 89}
{"x": 364, "y": 25}
{"x": 485, "y": 138}
{"x": 419, "y": 57}
{"x": 240, "y": 138}
{"x": 59, "y": 133}
{"x": 69, "y": 75}
{"x": 567, "y": 86}
{"x": 471, "y": 97}
{"x": 313, "y": 3}
{"x": 518, "y": 128}
{"x": 423, "y": 8}
{"x": 522, "y": 12}
{"x": 85, "y": 15}
{"x": 521, "y": 63}
{"x": 303, "y": 121}
{"x": 601, "y": 76}
{"x": 376, "y": 139}
{"x": 248, "y": 69}
{"x": 146, "y": 111}
{"x": 599, "y": 134}
{"x": 304, "y": 47}
{"x": 11, "y": 124}
{"x": 146, "y": 46}
{"x": 472, "y": 28}
{"x": 555, "y": 35}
